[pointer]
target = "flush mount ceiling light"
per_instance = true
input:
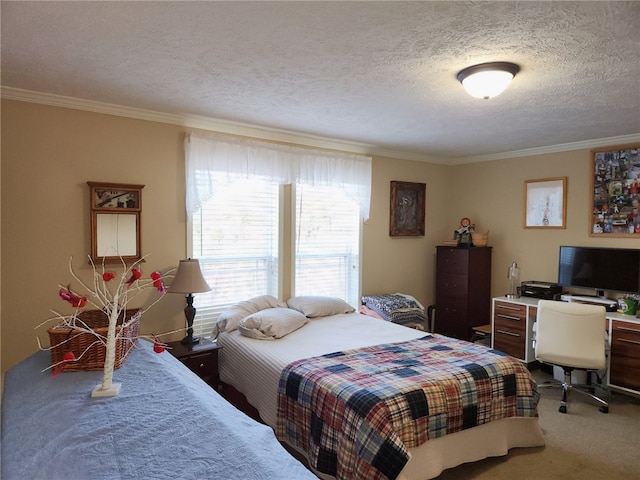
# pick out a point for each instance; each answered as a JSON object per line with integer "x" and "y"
{"x": 487, "y": 80}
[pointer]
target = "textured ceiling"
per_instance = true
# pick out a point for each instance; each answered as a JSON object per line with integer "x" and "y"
{"x": 376, "y": 73}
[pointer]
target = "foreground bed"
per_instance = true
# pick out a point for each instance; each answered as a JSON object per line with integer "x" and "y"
{"x": 255, "y": 368}
{"x": 166, "y": 423}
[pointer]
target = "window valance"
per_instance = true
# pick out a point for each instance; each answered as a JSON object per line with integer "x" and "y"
{"x": 282, "y": 164}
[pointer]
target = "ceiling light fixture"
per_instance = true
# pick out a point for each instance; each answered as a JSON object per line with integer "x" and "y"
{"x": 487, "y": 80}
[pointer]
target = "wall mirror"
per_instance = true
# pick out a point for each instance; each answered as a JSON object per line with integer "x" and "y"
{"x": 115, "y": 222}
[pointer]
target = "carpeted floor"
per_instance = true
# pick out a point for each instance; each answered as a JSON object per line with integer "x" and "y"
{"x": 583, "y": 444}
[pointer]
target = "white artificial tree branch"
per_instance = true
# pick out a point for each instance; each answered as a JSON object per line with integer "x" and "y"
{"x": 111, "y": 298}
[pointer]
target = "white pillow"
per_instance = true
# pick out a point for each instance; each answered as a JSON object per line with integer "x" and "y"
{"x": 317, "y": 306}
{"x": 229, "y": 319}
{"x": 271, "y": 323}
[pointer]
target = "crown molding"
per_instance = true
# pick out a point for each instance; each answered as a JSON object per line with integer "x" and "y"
{"x": 285, "y": 136}
{"x": 207, "y": 123}
{"x": 563, "y": 147}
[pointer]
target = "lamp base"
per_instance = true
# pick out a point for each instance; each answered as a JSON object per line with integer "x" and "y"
{"x": 190, "y": 340}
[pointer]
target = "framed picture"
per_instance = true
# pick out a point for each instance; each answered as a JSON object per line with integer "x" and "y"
{"x": 545, "y": 203}
{"x": 407, "y": 209}
{"x": 115, "y": 209}
{"x": 113, "y": 196}
{"x": 615, "y": 181}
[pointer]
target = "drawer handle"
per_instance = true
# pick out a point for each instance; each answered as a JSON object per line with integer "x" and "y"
{"x": 635, "y": 342}
{"x": 508, "y": 333}
{"x": 202, "y": 365}
{"x": 627, "y": 329}
{"x": 508, "y": 317}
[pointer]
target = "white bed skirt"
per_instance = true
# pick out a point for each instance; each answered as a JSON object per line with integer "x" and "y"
{"x": 489, "y": 440}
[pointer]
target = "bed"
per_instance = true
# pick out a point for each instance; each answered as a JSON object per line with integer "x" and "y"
{"x": 165, "y": 423}
{"x": 262, "y": 371}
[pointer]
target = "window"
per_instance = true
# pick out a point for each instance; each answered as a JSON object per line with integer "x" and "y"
{"x": 235, "y": 236}
{"x": 327, "y": 243}
{"x": 236, "y": 207}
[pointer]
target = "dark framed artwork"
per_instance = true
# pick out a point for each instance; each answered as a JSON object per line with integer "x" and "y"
{"x": 407, "y": 209}
{"x": 615, "y": 201}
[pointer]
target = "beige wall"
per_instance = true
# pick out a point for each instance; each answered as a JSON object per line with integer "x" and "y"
{"x": 48, "y": 155}
{"x": 492, "y": 195}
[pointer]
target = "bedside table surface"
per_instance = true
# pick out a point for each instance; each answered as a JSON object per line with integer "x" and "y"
{"x": 179, "y": 350}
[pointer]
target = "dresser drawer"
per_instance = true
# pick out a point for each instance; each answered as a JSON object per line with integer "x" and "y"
{"x": 452, "y": 286}
{"x": 453, "y": 260}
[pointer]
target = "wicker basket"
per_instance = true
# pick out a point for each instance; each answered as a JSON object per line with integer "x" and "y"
{"x": 65, "y": 339}
{"x": 480, "y": 239}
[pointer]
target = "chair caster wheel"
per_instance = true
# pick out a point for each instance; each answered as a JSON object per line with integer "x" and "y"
{"x": 563, "y": 409}
{"x": 604, "y": 409}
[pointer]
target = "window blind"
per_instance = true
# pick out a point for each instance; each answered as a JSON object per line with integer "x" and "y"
{"x": 327, "y": 243}
{"x": 235, "y": 236}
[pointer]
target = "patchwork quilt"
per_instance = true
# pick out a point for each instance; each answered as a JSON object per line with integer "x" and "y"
{"x": 356, "y": 412}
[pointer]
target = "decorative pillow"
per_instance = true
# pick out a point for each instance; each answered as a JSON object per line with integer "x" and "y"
{"x": 229, "y": 319}
{"x": 271, "y": 323}
{"x": 317, "y": 306}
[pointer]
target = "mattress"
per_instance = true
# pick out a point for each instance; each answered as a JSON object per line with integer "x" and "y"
{"x": 165, "y": 423}
{"x": 253, "y": 367}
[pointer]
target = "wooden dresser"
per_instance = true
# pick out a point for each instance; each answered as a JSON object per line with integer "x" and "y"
{"x": 463, "y": 290}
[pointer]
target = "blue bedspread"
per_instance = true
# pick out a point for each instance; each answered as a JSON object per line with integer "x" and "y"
{"x": 166, "y": 423}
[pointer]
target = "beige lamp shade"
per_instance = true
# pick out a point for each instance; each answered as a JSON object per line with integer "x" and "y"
{"x": 189, "y": 278}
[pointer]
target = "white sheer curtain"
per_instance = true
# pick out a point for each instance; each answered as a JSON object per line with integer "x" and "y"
{"x": 280, "y": 163}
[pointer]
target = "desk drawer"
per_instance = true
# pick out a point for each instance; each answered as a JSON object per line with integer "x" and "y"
{"x": 510, "y": 317}
{"x": 509, "y": 310}
{"x": 509, "y": 341}
{"x": 510, "y": 328}
{"x": 625, "y": 355}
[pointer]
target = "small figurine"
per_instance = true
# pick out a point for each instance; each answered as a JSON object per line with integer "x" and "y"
{"x": 463, "y": 234}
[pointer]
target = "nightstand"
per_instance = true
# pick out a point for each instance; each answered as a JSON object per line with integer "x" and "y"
{"x": 201, "y": 358}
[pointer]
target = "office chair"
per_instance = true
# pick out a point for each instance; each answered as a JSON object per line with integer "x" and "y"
{"x": 573, "y": 337}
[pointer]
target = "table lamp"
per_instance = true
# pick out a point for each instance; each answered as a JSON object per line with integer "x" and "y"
{"x": 512, "y": 274}
{"x": 189, "y": 280}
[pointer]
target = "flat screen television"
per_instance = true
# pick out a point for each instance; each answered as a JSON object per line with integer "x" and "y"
{"x": 612, "y": 269}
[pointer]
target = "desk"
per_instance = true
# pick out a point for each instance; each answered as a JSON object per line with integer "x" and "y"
{"x": 512, "y": 332}
{"x": 481, "y": 332}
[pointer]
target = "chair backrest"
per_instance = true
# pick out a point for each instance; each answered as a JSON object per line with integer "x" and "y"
{"x": 571, "y": 334}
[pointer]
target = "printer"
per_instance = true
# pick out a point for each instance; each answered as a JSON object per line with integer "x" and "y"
{"x": 542, "y": 290}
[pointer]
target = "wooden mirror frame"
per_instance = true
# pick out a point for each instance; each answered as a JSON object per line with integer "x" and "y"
{"x": 115, "y": 222}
